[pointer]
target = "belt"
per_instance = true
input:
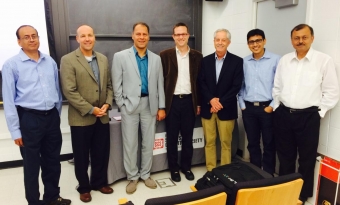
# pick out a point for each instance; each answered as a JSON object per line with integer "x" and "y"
{"x": 182, "y": 95}
{"x": 38, "y": 112}
{"x": 144, "y": 95}
{"x": 293, "y": 110}
{"x": 266, "y": 103}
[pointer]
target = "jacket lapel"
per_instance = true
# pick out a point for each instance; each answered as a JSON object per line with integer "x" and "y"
{"x": 191, "y": 67}
{"x": 101, "y": 68}
{"x": 132, "y": 56}
{"x": 149, "y": 63}
{"x": 81, "y": 59}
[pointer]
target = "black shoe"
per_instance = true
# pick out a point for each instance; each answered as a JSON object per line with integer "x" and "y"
{"x": 303, "y": 199}
{"x": 175, "y": 176}
{"x": 60, "y": 201}
{"x": 189, "y": 175}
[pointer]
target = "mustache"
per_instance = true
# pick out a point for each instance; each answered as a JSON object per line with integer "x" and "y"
{"x": 300, "y": 44}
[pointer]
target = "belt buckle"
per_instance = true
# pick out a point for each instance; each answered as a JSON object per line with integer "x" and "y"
{"x": 256, "y": 103}
{"x": 180, "y": 96}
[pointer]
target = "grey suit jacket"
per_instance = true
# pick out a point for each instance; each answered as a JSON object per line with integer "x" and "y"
{"x": 127, "y": 82}
{"x": 81, "y": 89}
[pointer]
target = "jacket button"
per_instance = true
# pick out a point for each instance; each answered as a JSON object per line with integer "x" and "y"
{"x": 96, "y": 90}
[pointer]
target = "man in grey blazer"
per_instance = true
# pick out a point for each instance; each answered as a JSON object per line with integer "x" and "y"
{"x": 138, "y": 86}
{"x": 86, "y": 83}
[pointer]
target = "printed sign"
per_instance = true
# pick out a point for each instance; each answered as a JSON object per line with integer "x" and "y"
{"x": 160, "y": 141}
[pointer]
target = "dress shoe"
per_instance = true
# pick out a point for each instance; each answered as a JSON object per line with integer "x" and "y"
{"x": 189, "y": 175}
{"x": 60, "y": 201}
{"x": 106, "y": 190}
{"x": 85, "y": 197}
{"x": 175, "y": 176}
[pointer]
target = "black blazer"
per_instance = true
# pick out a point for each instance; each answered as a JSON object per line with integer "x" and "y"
{"x": 226, "y": 89}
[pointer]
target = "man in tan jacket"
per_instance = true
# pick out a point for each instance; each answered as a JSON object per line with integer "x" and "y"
{"x": 86, "y": 83}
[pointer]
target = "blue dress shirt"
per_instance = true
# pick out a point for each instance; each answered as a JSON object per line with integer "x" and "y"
{"x": 258, "y": 79}
{"x": 143, "y": 70}
{"x": 29, "y": 84}
{"x": 218, "y": 65}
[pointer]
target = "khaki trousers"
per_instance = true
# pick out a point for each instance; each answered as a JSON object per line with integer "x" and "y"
{"x": 225, "y": 130}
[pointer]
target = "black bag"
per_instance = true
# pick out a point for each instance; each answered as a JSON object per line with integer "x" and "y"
{"x": 208, "y": 180}
{"x": 229, "y": 175}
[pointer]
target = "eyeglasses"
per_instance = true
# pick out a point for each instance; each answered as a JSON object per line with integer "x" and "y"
{"x": 180, "y": 34}
{"x": 255, "y": 41}
{"x": 27, "y": 38}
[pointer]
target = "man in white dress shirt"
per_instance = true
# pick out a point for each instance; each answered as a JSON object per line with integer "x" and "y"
{"x": 305, "y": 88}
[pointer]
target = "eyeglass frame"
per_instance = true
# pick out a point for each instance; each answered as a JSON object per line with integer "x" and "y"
{"x": 27, "y": 38}
{"x": 257, "y": 41}
{"x": 180, "y": 34}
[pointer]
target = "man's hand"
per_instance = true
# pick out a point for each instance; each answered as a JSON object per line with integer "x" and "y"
{"x": 160, "y": 115}
{"x": 19, "y": 142}
{"x": 268, "y": 109}
{"x": 212, "y": 110}
{"x": 105, "y": 107}
{"x": 198, "y": 110}
{"x": 98, "y": 112}
{"x": 215, "y": 104}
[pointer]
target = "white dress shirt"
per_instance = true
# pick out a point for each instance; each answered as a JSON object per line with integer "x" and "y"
{"x": 310, "y": 81}
{"x": 183, "y": 85}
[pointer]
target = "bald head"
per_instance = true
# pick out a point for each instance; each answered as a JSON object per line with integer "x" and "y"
{"x": 84, "y": 28}
{"x": 86, "y": 39}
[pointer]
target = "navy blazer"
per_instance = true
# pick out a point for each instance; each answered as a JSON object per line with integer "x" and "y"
{"x": 226, "y": 88}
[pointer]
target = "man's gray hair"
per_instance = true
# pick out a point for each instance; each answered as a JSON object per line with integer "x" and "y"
{"x": 224, "y": 30}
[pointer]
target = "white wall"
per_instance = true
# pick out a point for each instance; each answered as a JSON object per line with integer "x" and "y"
{"x": 324, "y": 17}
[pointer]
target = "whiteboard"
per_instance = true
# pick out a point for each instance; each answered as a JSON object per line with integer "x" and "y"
{"x": 15, "y": 13}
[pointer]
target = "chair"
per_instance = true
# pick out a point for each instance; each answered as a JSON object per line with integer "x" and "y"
{"x": 208, "y": 196}
{"x": 214, "y": 196}
{"x": 282, "y": 190}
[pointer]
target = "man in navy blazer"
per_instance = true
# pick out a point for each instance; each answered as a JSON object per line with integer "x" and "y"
{"x": 220, "y": 80}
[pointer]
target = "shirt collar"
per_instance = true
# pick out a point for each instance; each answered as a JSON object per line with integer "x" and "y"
{"x": 178, "y": 52}
{"x": 308, "y": 55}
{"x": 265, "y": 55}
{"x": 136, "y": 52}
{"x": 24, "y": 57}
{"x": 216, "y": 58}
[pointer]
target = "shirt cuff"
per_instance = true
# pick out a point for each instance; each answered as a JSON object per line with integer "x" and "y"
{"x": 242, "y": 104}
{"x": 16, "y": 134}
{"x": 91, "y": 111}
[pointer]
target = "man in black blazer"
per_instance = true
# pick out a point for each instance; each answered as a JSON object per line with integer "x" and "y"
{"x": 220, "y": 80}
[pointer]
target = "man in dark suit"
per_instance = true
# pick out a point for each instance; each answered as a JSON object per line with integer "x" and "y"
{"x": 180, "y": 69}
{"x": 220, "y": 79}
{"x": 86, "y": 83}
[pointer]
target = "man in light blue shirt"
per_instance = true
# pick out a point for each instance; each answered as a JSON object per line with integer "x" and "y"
{"x": 256, "y": 101}
{"x": 32, "y": 104}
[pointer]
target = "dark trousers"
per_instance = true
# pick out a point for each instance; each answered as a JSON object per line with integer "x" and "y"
{"x": 42, "y": 140}
{"x": 180, "y": 119}
{"x": 297, "y": 133}
{"x": 93, "y": 141}
{"x": 258, "y": 123}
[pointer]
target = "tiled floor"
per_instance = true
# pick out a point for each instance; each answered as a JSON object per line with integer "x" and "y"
{"x": 12, "y": 187}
